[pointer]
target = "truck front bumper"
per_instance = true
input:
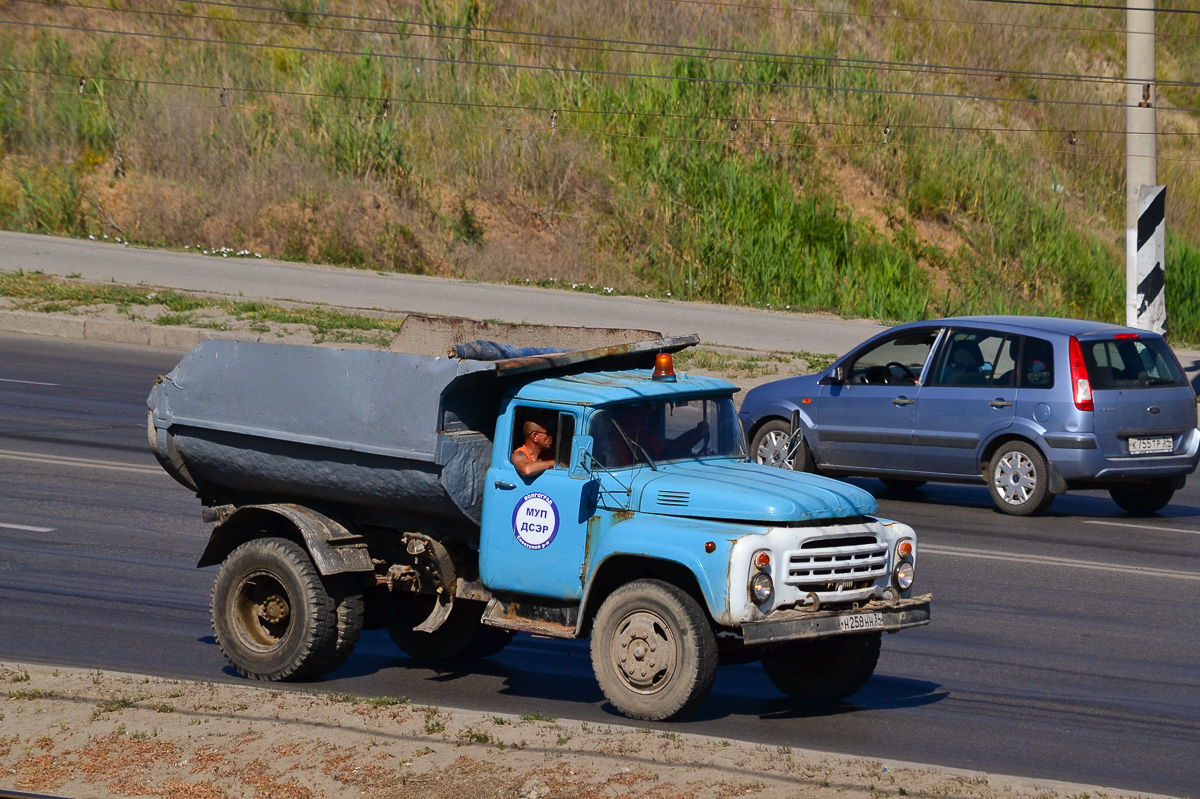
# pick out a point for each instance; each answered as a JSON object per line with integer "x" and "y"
{"x": 794, "y": 625}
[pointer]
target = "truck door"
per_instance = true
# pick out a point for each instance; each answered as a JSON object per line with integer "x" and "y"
{"x": 534, "y": 534}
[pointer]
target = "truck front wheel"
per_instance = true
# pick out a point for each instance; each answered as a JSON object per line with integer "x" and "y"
{"x": 653, "y": 651}
{"x": 824, "y": 670}
{"x": 272, "y": 615}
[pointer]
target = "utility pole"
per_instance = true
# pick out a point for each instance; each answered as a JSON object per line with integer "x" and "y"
{"x": 1145, "y": 300}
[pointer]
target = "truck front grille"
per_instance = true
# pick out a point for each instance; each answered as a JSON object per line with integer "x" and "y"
{"x": 839, "y": 564}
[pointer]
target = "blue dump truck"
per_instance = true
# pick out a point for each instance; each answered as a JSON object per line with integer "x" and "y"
{"x": 358, "y": 489}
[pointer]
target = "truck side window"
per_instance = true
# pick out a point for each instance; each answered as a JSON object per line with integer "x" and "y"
{"x": 560, "y": 425}
{"x": 562, "y": 440}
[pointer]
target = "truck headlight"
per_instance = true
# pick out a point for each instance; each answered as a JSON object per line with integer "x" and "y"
{"x": 904, "y": 575}
{"x": 762, "y": 588}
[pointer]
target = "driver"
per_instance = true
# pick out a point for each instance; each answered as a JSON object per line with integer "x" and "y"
{"x": 632, "y": 434}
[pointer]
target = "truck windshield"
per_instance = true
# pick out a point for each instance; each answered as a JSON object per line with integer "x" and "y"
{"x": 655, "y": 431}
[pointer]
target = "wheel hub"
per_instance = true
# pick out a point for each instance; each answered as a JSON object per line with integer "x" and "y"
{"x": 1015, "y": 478}
{"x": 274, "y": 609}
{"x": 644, "y": 654}
{"x": 773, "y": 449}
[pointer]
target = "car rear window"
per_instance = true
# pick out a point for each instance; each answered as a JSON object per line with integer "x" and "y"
{"x": 1131, "y": 363}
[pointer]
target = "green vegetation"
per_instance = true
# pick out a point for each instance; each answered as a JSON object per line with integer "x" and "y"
{"x": 37, "y": 292}
{"x": 758, "y": 166}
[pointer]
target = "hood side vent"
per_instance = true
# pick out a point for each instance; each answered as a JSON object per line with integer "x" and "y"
{"x": 678, "y": 499}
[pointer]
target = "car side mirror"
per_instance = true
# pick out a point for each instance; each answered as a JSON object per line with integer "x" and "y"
{"x": 834, "y": 377}
{"x": 581, "y": 458}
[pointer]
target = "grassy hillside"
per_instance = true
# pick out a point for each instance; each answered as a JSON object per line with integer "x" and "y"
{"x": 786, "y": 155}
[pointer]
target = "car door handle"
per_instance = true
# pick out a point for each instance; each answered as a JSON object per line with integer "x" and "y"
{"x": 503, "y": 486}
{"x": 902, "y": 401}
{"x": 999, "y": 402}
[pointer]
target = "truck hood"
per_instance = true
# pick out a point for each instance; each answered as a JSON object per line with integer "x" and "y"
{"x": 747, "y": 492}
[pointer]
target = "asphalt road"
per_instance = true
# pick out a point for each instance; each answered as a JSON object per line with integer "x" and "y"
{"x": 1062, "y": 647}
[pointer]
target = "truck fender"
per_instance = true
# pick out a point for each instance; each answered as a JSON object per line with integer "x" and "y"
{"x": 333, "y": 548}
{"x": 638, "y": 548}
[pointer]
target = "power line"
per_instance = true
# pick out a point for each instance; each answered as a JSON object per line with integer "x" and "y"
{"x": 1100, "y": 6}
{"x": 578, "y": 70}
{"x": 884, "y": 142}
{"x": 793, "y": 10}
{"x": 732, "y": 140}
{"x": 635, "y": 47}
{"x": 393, "y": 101}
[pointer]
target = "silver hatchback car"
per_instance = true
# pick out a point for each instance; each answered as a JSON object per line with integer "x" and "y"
{"x": 1031, "y": 406}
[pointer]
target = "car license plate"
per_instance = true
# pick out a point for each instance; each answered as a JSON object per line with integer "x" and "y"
{"x": 863, "y": 621}
{"x": 1150, "y": 446}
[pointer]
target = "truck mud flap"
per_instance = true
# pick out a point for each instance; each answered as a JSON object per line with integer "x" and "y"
{"x": 792, "y": 625}
{"x": 333, "y": 548}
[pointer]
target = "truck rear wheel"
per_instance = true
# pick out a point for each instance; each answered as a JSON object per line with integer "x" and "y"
{"x": 462, "y": 636}
{"x": 350, "y": 613}
{"x": 274, "y": 618}
{"x": 824, "y": 670}
{"x": 653, "y": 651}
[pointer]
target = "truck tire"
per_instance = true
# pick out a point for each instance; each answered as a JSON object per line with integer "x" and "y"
{"x": 653, "y": 651}
{"x": 350, "y": 613}
{"x": 1018, "y": 479}
{"x": 272, "y": 616}
{"x": 1143, "y": 498}
{"x": 461, "y": 637}
{"x": 824, "y": 670}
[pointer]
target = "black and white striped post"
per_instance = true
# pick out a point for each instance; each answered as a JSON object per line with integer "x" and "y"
{"x": 1145, "y": 294}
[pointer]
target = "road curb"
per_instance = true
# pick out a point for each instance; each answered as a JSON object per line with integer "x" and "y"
{"x": 32, "y": 323}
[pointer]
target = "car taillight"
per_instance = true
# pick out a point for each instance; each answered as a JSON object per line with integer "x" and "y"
{"x": 1080, "y": 384}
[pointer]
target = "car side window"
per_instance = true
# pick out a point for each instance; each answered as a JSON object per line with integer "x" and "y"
{"x": 897, "y": 361}
{"x": 1037, "y": 364}
{"x": 976, "y": 358}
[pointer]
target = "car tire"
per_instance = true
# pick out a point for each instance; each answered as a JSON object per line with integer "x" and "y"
{"x": 1143, "y": 498}
{"x": 1018, "y": 479}
{"x": 824, "y": 670}
{"x": 902, "y": 484}
{"x": 770, "y": 444}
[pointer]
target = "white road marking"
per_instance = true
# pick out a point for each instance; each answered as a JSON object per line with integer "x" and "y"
{"x": 1043, "y": 560}
{"x": 27, "y": 382}
{"x": 27, "y": 528}
{"x": 1146, "y": 527}
{"x": 86, "y": 463}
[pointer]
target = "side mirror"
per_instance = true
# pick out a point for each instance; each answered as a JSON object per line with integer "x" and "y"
{"x": 581, "y": 458}
{"x": 834, "y": 377}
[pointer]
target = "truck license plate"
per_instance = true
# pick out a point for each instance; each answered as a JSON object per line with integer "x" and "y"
{"x": 863, "y": 621}
{"x": 1149, "y": 446}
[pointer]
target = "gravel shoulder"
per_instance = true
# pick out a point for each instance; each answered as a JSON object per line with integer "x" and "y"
{"x": 83, "y": 734}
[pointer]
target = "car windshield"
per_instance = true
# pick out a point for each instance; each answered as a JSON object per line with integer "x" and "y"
{"x": 655, "y": 431}
{"x": 1130, "y": 363}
